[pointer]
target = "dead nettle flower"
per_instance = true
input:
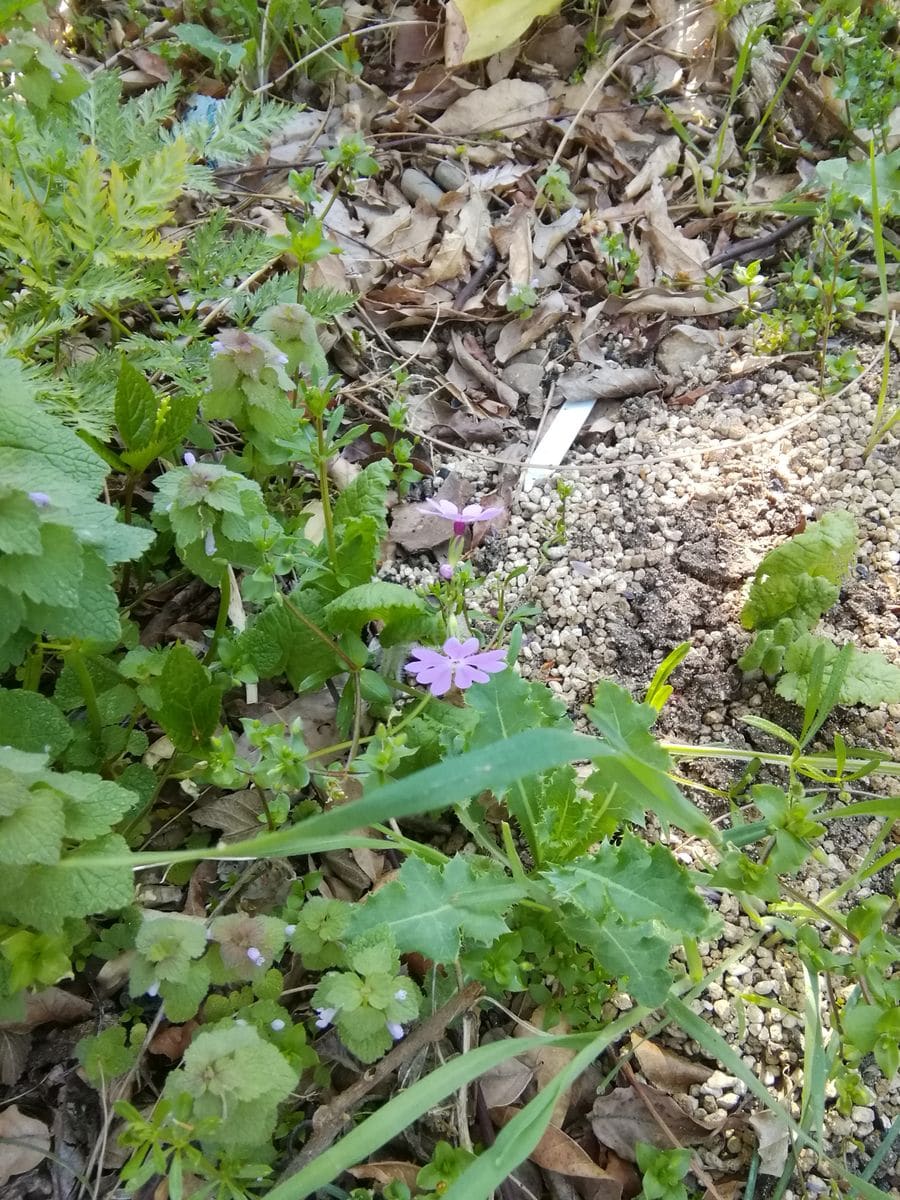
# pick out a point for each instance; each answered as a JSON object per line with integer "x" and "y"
{"x": 190, "y": 460}
{"x": 39, "y": 499}
{"x": 247, "y": 943}
{"x": 325, "y": 1017}
{"x": 209, "y": 543}
{"x": 236, "y": 352}
{"x": 458, "y": 662}
{"x": 277, "y": 1025}
{"x": 395, "y": 1029}
{"x": 461, "y": 517}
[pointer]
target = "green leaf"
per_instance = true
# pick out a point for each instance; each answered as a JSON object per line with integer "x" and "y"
{"x": 279, "y": 642}
{"x": 633, "y": 768}
{"x": 106, "y": 1056}
{"x": 190, "y": 700}
{"x": 635, "y": 954}
{"x": 32, "y": 831}
{"x": 148, "y": 426}
{"x": 869, "y": 679}
{"x": 492, "y": 25}
{"x": 800, "y": 578}
{"x": 506, "y": 705}
{"x": 377, "y": 601}
{"x": 29, "y": 721}
{"x": 365, "y": 496}
{"x": 233, "y": 1074}
{"x": 635, "y": 882}
{"x": 44, "y": 897}
{"x": 429, "y": 909}
{"x": 453, "y": 781}
{"x": 205, "y": 42}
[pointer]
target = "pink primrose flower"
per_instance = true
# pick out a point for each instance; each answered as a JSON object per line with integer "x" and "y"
{"x": 459, "y": 662}
{"x": 461, "y": 517}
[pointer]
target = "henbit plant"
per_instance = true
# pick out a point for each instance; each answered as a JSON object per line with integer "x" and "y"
{"x": 215, "y": 468}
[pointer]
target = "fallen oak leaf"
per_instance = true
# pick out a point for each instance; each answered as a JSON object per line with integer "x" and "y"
{"x": 556, "y": 1151}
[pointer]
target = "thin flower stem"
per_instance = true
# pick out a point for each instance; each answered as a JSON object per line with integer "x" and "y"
{"x": 221, "y": 616}
{"x": 76, "y": 661}
{"x": 818, "y": 762}
{"x": 325, "y": 494}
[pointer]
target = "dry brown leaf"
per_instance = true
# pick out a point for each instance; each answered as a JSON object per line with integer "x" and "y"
{"x": 14, "y": 1047}
{"x": 665, "y": 1070}
{"x": 19, "y": 1158}
{"x": 236, "y": 814}
{"x": 606, "y": 382}
{"x": 519, "y": 335}
{"x": 404, "y": 236}
{"x": 666, "y": 155}
{"x": 548, "y": 237}
{"x": 415, "y": 530}
{"x": 510, "y": 106}
{"x": 676, "y": 256}
{"x": 449, "y": 261}
{"x": 621, "y": 1118}
{"x": 626, "y": 1173}
{"x": 472, "y": 359}
{"x": 387, "y": 1171}
{"x": 774, "y": 1141}
{"x": 694, "y": 302}
{"x": 474, "y": 223}
{"x": 556, "y": 1151}
{"x": 172, "y": 1041}
{"x": 505, "y": 1083}
{"x": 54, "y": 1004}
{"x": 547, "y": 1062}
{"x": 726, "y": 1189}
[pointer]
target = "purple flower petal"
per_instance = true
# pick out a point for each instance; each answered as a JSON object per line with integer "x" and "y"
{"x": 40, "y": 499}
{"x": 395, "y": 1030}
{"x": 325, "y": 1017}
{"x": 209, "y": 543}
{"x": 440, "y": 508}
{"x": 445, "y": 571}
{"x": 491, "y": 661}
{"x": 189, "y": 459}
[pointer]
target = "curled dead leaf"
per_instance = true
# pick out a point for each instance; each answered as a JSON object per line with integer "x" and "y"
{"x": 510, "y": 106}
{"x": 505, "y": 1083}
{"x": 774, "y": 1141}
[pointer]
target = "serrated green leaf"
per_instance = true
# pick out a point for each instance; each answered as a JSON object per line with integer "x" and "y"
{"x": 634, "y": 769}
{"x": 636, "y": 954}
{"x": 279, "y": 642}
{"x": 233, "y": 1074}
{"x": 44, "y": 897}
{"x": 106, "y": 1056}
{"x": 29, "y": 721}
{"x": 869, "y": 679}
{"x": 365, "y": 496}
{"x": 800, "y": 578}
{"x": 376, "y": 601}
{"x": 190, "y": 699}
{"x": 32, "y": 832}
{"x": 429, "y": 909}
{"x": 636, "y": 882}
{"x": 19, "y": 524}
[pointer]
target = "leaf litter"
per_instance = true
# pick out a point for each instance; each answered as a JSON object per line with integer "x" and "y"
{"x": 410, "y": 259}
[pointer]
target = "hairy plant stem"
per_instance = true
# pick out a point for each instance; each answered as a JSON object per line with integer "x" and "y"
{"x": 221, "y": 615}
{"x": 325, "y": 493}
{"x": 75, "y": 660}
